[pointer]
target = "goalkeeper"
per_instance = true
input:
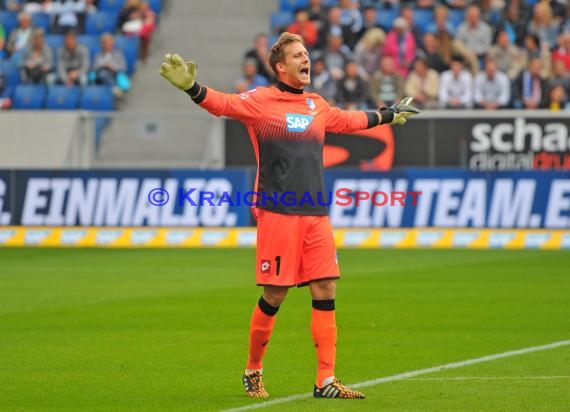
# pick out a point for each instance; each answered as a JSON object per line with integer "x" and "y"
{"x": 295, "y": 244}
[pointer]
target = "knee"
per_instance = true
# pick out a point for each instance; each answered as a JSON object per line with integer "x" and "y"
{"x": 274, "y": 295}
{"x": 323, "y": 289}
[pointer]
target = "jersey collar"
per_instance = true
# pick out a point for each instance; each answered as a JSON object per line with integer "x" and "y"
{"x": 286, "y": 88}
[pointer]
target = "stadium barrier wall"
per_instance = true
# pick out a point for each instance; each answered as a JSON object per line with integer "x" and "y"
{"x": 456, "y": 208}
{"x": 121, "y": 237}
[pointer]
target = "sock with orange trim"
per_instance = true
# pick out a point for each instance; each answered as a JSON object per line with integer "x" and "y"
{"x": 260, "y": 329}
{"x": 323, "y": 327}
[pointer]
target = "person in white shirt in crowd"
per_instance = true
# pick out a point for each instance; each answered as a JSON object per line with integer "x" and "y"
{"x": 21, "y": 36}
{"x": 475, "y": 33}
{"x": 456, "y": 86}
{"x": 492, "y": 87}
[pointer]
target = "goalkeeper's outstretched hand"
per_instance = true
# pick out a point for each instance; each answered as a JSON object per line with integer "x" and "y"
{"x": 178, "y": 71}
{"x": 403, "y": 110}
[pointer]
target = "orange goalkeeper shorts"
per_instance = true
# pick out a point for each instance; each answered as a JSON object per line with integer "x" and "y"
{"x": 294, "y": 250}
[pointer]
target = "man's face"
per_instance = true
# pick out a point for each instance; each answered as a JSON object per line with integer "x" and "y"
{"x": 295, "y": 69}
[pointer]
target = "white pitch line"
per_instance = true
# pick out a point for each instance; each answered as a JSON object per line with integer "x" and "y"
{"x": 490, "y": 378}
{"x": 411, "y": 374}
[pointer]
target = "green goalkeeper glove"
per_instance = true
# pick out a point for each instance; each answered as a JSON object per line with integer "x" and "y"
{"x": 178, "y": 72}
{"x": 401, "y": 111}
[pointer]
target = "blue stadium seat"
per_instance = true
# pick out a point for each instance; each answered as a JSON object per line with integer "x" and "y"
{"x": 62, "y": 97}
{"x": 41, "y": 20}
{"x": 455, "y": 17}
{"x": 329, "y": 3}
{"x": 10, "y": 69}
{"x": 9, "y": 20}
{"x": 97, "y": 98}
{"x": 29, "y": 97}
{"x": 280, "y": 20}
{"x": 292, "y": 5}
{"x": 155, "y": 5}
{"x": 110, "y": 5}
{"x": 55, "y": 41}
{"x": 385, "y": 17}
{"x": 101, "y": 22}
{"x": 92, "y": 43}
{"x": 130, "y": 47}
{"x": 423, "y": 18}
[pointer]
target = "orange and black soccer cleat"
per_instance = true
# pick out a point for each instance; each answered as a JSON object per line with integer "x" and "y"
{"x": 336, "y": 389}
{"x": 253, "y": 384}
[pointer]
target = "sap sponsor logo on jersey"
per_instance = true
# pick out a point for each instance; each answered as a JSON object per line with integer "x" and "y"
{"x": 298, "y": 122}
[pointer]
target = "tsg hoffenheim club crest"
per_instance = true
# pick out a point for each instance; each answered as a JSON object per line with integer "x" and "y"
{"x": 311, "y": 104}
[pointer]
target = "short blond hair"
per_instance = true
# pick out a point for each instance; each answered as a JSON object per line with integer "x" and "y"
{"x": 277, "y": 51}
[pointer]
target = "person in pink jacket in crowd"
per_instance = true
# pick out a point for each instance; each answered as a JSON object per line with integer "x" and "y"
{"x": 401, "y": 46}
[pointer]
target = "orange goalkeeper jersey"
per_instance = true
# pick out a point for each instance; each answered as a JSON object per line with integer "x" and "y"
{"x": 287, "y": 129}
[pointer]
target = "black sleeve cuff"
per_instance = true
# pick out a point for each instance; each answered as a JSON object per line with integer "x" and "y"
{"x": 197, "y": 93}
{"x": 387, "y": 116}
{"x": 373, "y": 119}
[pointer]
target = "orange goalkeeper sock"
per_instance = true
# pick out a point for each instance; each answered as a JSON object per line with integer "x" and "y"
{"x": 260, "y": 329}
{"x": 323, "y": 327}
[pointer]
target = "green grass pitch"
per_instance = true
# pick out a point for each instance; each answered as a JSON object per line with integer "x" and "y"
{"x": 138, "y": 330}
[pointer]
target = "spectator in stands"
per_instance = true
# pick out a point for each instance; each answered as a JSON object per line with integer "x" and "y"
{"x": 407, "y": 13}
{"x": 543, "y": 25}
{"x": 560, "y": 76}
{"x": 336, "y": 55}
{"x": 317, "y": 13}
{"x": 351, "y": 18}
{"x": 431, "y": 53}
{"x": 492, "y": 88}
{"x": 72, "y": 62}
{"x": 15, "y": 5}
{"x": 457, "y": 4}
{"x": 558, "y": 99}
{"x": 130, "y": 7}
{"x": 387, "y": 86}
{"x": 565, "y": 23}
{"x": 334, "y": 26}
{"x": 401, "y": 46}
{"x": 69, "y": 15}
{"x": 514, "y": 21}
{"x": 562, "y": 52}
{"x": 20, "y": 37}
{"x": 475, "y": 34}
{"x": 259, "y": 54}
{"x": 109, "y": 64}
{"x": 423, "y": 84}
{"x": 533, "y": 50}
{"x": 90, "y": 7}
{"x": 352, "y": 90}
{"x": 305, "y": 28}
{"x": 456, "y": 86}
{"x": 509, "y": 58}
{"x": 441, "y": 21}
{"x": 37, "y": 61}
{"x": 249, "y": 79}
{"x": 490, "y": 11}
{"x": 530, "y": 89}
{"x": 141, "y": 22}
{"x": 370, "y": 18}
{"x": 3, "y": 53}
{"x": 322, "y": 81}
{"x": 368, "y": 51}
